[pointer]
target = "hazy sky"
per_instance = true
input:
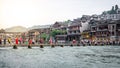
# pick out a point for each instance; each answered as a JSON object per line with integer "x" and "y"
{"x": 41, "y": 12}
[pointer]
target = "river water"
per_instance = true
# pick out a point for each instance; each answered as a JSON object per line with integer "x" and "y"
{"x": 58, "y": 57}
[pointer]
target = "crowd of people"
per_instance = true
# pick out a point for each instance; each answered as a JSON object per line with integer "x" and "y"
{"x": 102, "y": 42}
{"x": 21, "y": 41}
{"x": 95, "y": 42}
{"x": 17, "y": 41}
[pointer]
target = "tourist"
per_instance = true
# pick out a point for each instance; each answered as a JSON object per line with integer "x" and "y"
{"x": 20, "y": 40}
{"x": 30, "y": 41}
{"x": 26, "y": 41}
{"x": 33, "y": 41}
{"x": 4, "y": 41}
{"x": 16, "y": 41}
{"x": 118, "y": 42}
{"x": 9, "y": 41}
{"x": 74, "y": 41}
{"x": 95, "y": 43}
{"x": 50, "y": 41}
{"x": 0, "y": 41}
{"x": 41, "y": 41}
{"x": 36, "y": 41}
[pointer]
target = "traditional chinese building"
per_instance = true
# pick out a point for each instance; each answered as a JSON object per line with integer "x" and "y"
{"x": 62, "y": 26}
{"x": 105, "y": 30}
{"x": 37, "y": 31}
{"x": 74, "y": 30}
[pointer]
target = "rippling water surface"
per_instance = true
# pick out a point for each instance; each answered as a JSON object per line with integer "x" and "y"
{"x": 66, "y": 57}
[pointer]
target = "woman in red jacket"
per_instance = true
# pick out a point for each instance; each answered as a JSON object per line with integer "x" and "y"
{"x": 16, "y": 41}
{"x": 30, "y": 41}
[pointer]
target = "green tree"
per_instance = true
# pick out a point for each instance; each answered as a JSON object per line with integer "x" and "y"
{"x": 44, "y": 36}
{"x": 64, "y": 32}
{"x": 57, "y": 32}
{"x": 67, "y": 21}
{"x": 116, "y": 7}
{"x": 113, "y": 10}
{"x": 104, "y": 12}
{"x": 53, "y": 33}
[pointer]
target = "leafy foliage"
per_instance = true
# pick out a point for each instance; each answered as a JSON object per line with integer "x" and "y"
{"x": 57, "y": 32}
{"x": 116, "y": 7}
{"x": 112, "y": 11}
{"x": 44, "y": 36}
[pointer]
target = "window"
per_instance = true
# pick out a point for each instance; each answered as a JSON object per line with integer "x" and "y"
{"x": 112, "y": 33}
{"x": 74, "y": 31}
{"x": 113, "y": 27}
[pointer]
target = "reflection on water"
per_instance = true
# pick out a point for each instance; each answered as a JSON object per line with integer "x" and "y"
{"x": 66, "y": 57}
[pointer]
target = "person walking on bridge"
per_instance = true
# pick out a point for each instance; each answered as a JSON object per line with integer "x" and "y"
{"x": 30, "y": 41}
{"x": 9, "y": 41}
{"x": 0, "y": 41}
{"x": 74, "y": 41}
{"x": 4, "y": 41}
{"x": 20, "y": 40}
{"x": 16, "y": 41}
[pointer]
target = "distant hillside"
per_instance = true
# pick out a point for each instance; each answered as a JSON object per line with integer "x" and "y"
{"x": 16, "y": 29}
